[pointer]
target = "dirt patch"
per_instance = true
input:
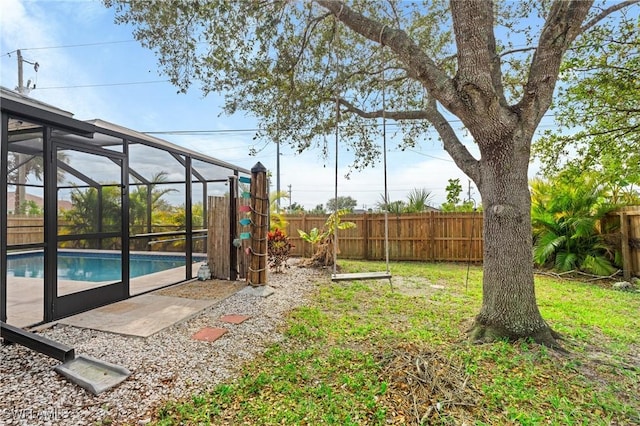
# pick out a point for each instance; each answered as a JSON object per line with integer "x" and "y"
{"x": 204, "y": 290}
{"x": 415, "y": 286}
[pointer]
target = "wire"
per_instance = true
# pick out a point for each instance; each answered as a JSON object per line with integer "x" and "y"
{"x": 430, "y": 156}
{"x": 105, "y": 85}
{"x": 197, "y": 132}
{"x": 99, "y": 43}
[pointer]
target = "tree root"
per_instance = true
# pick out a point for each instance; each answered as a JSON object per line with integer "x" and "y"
{"x": 488, "y": 333}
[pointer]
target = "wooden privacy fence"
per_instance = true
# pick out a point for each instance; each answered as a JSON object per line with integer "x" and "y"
{"x": 629, "y": 239}
{"x": 24, "y": 229}
{"x": 430, "y": 236}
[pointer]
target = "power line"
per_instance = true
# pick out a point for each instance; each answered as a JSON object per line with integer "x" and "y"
{"x": 205, "y": 132}
{"x": 99, "y": 43}
{"x": 430, "y": 156}
{"x": 80, "y": 86}
{"x": 200, "y": 132}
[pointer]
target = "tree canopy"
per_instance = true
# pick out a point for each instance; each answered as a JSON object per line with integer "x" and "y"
{"x": 598, "y": 109}
{"x": 344, "y": 202}
{"x": 287, "y": 62}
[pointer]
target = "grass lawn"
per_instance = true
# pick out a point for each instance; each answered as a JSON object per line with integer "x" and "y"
{"x": 362, "y": 354}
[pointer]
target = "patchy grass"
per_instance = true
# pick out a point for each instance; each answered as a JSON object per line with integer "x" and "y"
{"x": 363, "y": 353}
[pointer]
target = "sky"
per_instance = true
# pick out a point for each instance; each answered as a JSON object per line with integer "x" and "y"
{"x": 94, "y": 68}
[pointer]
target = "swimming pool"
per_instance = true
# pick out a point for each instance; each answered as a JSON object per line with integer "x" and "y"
{"x": 93, "y": 267}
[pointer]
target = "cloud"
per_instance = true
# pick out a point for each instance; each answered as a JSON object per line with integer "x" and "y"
{"x": 27, "y": 25}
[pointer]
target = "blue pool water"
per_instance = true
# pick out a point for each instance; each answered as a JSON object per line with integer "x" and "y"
{"x": 93, "y": 267}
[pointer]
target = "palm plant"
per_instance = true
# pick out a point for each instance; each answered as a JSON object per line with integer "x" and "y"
{"x": 33, "y": 165}
{"x": 277, "y": 218}
{"x": 419, "y": 200}
{"x": 393, "y": 207}
{"x": 139, "y": 199}
{"x": 94, "y": 210}
{"x": 324, "y": 239}
{"x": 566, "y": 219}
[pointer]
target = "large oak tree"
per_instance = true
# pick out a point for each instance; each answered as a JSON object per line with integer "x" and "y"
{"x": 494, "y": 66}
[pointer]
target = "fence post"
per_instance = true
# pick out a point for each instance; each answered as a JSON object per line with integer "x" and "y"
{"x": 365, "y": 236}
{"x": 260, "y": 221}
{"x": 304, "y": 228}
{"x": 432, "y": 236}
{"x": 626, "y": 253}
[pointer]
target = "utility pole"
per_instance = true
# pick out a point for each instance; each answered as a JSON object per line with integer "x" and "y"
{"x": 20, "y": 78}
{"x": 289, "y": 198}
{"x": 20, "y": 194}
{"x": 22, "y": 89}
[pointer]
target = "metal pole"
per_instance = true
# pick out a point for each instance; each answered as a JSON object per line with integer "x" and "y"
{"x": 278, "y": 174}
{"x": 20, "y": 192}
{"x": 20, "y": 75}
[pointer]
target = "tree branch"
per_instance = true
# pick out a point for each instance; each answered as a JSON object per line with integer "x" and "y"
{"x": 418, "y": 63}
{"x": 619, "y": 131}
{"x": 380, "y": 113}
{"x": 461, "y": 156}
{"x": 509, "y": 52}
{"x": 473, "y": 29}
{"x": 608, "y": 11}
{"x": 561, "y": 27}
{"x": 458, "y": 152}
{"x": 310, "y": 27}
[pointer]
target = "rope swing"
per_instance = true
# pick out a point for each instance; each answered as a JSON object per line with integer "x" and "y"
{"x": 362, "y": 275}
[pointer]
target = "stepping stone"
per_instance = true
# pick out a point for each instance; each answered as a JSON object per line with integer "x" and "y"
{"x": 209, "y": 334}
{"x": 234, "y": 319}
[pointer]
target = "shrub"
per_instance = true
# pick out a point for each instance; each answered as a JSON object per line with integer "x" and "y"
{"x": 278, "y": 249}
{"x": 323, "y": 239}
{"x": 567, "y": 227}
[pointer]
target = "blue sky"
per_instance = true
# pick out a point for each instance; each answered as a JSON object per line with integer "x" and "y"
{"x": 94, "y": 69}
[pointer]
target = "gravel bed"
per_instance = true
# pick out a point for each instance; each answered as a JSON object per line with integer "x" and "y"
{"x": 165, "y": 366}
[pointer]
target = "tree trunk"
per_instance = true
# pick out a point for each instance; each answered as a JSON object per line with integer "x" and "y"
{"x": 509, "y": 309}
{"x": 323, "y": 256}
{"x": 20, "y": 193}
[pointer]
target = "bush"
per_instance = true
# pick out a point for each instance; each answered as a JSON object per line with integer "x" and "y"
{"x": 278, "y": 249}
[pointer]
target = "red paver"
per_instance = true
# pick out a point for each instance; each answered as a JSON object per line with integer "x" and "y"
{"x": 209, "y": 334}
{"x": 234, "y": 319}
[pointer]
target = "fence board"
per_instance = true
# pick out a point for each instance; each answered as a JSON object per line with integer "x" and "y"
{"x": 629, "y": 221}
{"x": 634, "y": 241}
{"x": 24, "y": 229}
{"x": 430, "y": 236}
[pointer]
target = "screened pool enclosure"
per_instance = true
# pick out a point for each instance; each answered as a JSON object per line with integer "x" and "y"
{"x": 76, "y": 193}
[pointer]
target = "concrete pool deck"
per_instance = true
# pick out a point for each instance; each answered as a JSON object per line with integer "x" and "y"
{"x": 25, "y": 296}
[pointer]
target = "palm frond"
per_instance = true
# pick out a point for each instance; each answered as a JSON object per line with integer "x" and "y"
{"x": 597, "y": 265}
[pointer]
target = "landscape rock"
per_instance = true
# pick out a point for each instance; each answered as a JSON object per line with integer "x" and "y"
{"x": 623, "y": 286}
{"x": 166, "y": 366}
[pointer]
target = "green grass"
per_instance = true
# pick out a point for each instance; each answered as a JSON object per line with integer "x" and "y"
{"x": 339, "y": 363}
